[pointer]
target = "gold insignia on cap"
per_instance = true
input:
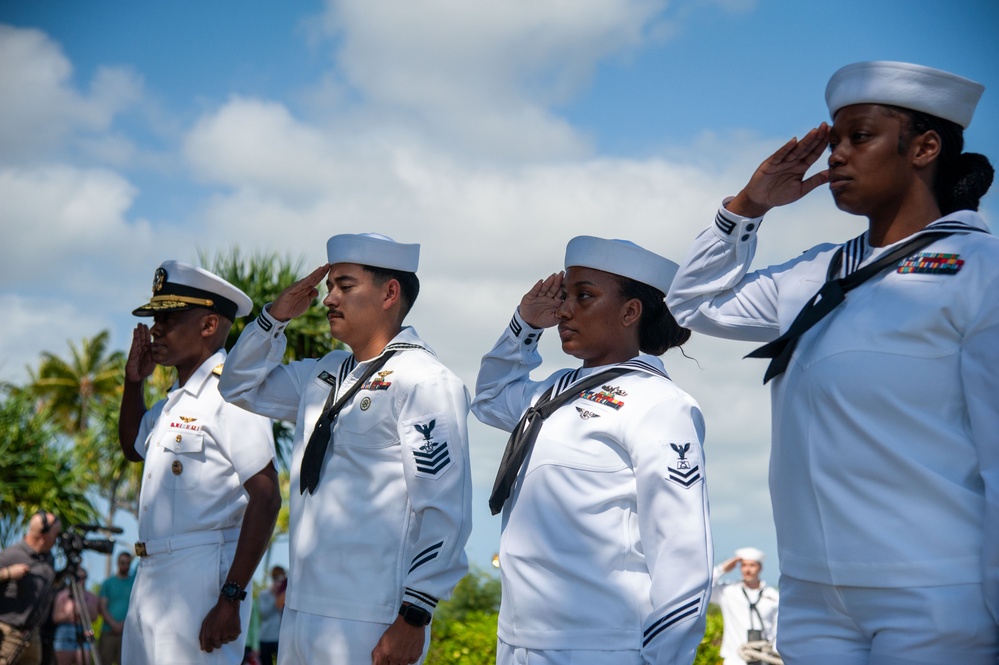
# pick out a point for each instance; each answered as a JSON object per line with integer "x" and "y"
{"x": 177, "y": 468}
{"x": 159, "y": 279}
{"x": 187, "y": 419}
{"x": 218, "y": 369}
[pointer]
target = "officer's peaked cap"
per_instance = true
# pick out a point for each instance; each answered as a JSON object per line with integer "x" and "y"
{"x": 178, "y": 286}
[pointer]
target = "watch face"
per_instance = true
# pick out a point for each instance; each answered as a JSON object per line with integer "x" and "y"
{"x": 231, "y": 591}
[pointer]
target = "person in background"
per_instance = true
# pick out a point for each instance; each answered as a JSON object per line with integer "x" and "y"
{"x": 884, "y": 469}
{"x": 114, "y": 595}
{"x": 27, "y": 573}
{"x": 749, "y": 606}
{"x": 270, "y": 602}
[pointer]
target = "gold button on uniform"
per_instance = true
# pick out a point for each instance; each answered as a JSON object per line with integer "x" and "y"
{"x": 177, "y": 467}
{"x": 179, "y": 437}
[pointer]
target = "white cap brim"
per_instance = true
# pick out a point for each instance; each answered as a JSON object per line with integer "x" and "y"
{"x": 621, "y": 257}
{"x": 909, "y": 86}
{"x": 372, "y": 249}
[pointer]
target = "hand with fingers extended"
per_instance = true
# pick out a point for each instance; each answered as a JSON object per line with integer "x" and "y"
{"x": 780, "y": 179}
{"x": 297, "y": 298}
{"x": 140, "y": 363}
{"x": 539, "y": 306}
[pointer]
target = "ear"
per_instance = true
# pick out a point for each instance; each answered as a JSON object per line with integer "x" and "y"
{"x": 631, "y": 312}
{"x": 209, "y": 324}
{"x": 391, "y": 293}
{"x": 925, "y": 149}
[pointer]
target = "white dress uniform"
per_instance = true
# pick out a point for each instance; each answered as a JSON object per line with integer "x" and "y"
{"x": 605, "y": 544}
{"x": 884, "y": 468}
{"x": 736, "y": 601}
{"x": 389, "y": 520}
{"x": 198, "y": 450}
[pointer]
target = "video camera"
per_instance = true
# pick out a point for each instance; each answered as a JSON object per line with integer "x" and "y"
{"x": 73, "y": 540}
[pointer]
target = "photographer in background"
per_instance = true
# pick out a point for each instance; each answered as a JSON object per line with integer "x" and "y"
{"x": 26, "y": 576}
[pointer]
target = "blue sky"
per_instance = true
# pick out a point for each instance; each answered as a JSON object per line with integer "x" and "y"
{"x": 491, "y": 132}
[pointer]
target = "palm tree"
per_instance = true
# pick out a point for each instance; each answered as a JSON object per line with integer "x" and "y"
{"x": 73, "y": 388}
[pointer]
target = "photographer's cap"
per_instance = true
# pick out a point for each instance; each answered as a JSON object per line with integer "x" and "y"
{"x": 750, "y": 554}
{"x": 373, "y": 249}
{"x": 909, "y": 86}
{"x": 621, "y": 257}
{"x": 178, "y": 286}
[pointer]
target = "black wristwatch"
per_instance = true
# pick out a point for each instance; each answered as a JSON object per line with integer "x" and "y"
{"x": 414, "y": 615}
{"x": 231, "y": 591}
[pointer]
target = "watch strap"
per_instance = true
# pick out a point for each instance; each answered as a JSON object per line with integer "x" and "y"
{"x": 415, "y": 615}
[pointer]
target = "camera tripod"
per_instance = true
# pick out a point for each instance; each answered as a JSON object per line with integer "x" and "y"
{"x": 83, "y": 623}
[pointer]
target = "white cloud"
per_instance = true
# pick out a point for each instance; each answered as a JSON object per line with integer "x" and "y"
{"x": 485, "y": 74}
{"x": 39, "y": 105}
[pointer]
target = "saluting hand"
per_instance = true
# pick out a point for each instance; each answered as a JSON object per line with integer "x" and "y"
{"x": 780, "y": 179}
{"x": 538, "y": 307}
{"x": 140, "y": 363}
{"x": 297, "y": 298}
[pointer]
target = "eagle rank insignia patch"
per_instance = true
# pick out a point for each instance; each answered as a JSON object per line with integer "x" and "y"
{"x": 428, "y": 441}
{"x": 931, "y": 263}
{"x": 683, "y": 473}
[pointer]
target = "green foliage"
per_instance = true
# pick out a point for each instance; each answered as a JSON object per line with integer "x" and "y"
{"x": 708, "y": 652}
{"x": 464, "y": 628}
{"x": 471, "y": 641}
{"x": 38, "y": 473}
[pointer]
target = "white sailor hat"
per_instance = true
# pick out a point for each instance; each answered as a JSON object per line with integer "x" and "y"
{"x": 373, "y": 249}
{"x": 750, "y": 554}
{"x": 909, "y": 86}
{"x": 178, "y": 286}
{"x": 621, "y": 257}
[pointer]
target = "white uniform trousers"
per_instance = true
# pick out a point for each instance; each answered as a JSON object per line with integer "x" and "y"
{"x": 510, "y": 655}
{"x": 310, "y": 639}
{"x": 821, "y": 624}
{"x": 172, "y": 594}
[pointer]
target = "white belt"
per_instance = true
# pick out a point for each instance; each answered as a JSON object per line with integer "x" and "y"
{"x": 185, "y": 540}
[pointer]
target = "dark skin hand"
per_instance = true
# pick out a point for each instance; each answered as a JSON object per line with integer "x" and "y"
{"x": 222, "y": 625}
{"x": 138, "y": 368}
{"x": 400, "y": 644}
{"x": 780, "y": 179}
{"x": 539, "y": 306}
